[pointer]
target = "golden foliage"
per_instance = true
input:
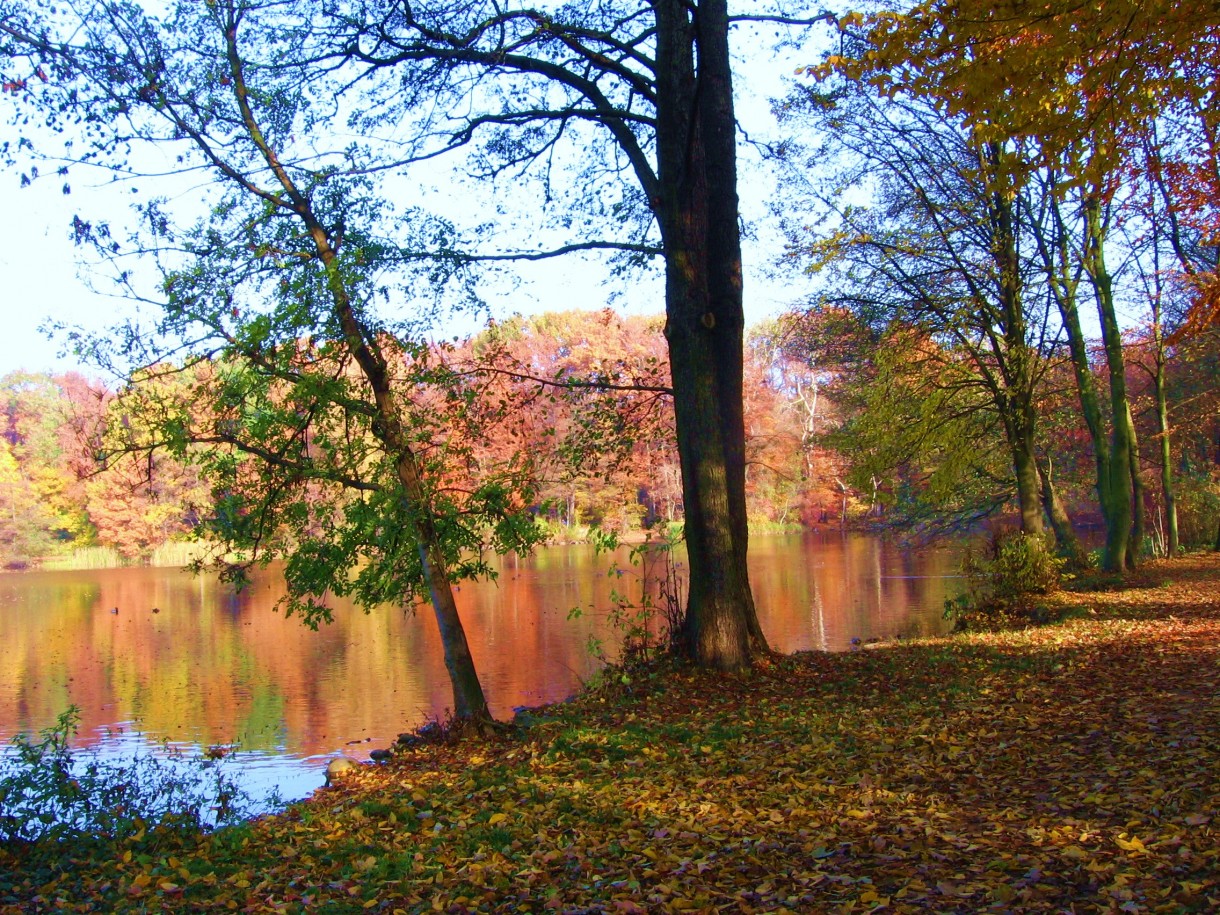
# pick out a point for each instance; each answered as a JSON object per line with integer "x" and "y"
{"x": 1068, "y": 768}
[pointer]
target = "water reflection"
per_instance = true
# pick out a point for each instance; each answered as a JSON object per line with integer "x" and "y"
{"x": 218, "y": 667}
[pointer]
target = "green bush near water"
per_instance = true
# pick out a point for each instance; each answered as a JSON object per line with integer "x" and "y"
{"x": 1004, "y": 581}
{"x": 51, "y": 792}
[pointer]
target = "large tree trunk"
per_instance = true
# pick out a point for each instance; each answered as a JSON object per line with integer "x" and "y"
{"x": 1016, "y": 360}
{"x": 705, "y": 323}
{"x": 1028, "y": 484}
{"x": 1114, "y": 478}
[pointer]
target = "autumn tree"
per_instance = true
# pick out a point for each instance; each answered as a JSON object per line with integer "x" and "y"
{"x": 599, "y": 416}
{"x": 333, "y": 435}
{"x": 922, "y": 235}
{"x": 52, "y": 425}
{"x": 641, "y": 93}
{"x": 1080, "y": 85}
{"x": 789, "y": 377}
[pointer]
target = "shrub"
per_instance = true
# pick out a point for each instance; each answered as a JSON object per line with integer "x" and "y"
{"x": 1003, "y": 580}
{"x": 51, "y": 792}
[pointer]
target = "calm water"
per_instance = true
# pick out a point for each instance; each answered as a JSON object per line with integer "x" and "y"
{"x": 216, "y": 667}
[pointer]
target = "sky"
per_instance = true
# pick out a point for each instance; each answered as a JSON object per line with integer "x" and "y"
{"x": 44, "y": 278}
{"x": 39, "y": 275}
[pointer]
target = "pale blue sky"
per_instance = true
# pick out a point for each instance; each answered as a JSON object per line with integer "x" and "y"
{"x": 41, "y": 271}
{"x": 43, "y": 276}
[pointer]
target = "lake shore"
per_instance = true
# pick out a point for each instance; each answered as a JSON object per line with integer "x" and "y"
{"x": 1073, "y": 766}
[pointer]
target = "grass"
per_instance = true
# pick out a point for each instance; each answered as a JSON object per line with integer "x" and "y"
{"x": 85, "y": 557}
{"x": 174, "y": 554}
{"x": 1071, "y": 767}
{"x": 178, "y": 553}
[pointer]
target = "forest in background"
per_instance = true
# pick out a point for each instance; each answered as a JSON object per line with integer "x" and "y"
{"x": 599, "y": 458}
{"x": 980, "y": 241}
{"x": 830, "y": 439}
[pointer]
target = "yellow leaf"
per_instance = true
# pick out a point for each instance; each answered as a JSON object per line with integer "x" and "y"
{"x": 142, "y": 880}
{"x": 1132, "y": 844}
{"x": 496, "y": 818}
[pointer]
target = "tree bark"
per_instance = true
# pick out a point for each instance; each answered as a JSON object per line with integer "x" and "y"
{"x": 1026, "y": 469}
{"x": 1016, "y": 359}
{"x": 1115, "y": 479}
{"x": 1061, "y": 523}
{"x": 705, "y": 323}
{"x": 1168, "y": 492}
{"x": 1139, "y": 514}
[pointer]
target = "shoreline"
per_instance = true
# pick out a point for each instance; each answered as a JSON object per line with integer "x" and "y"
{"x": 1066, "y": 766}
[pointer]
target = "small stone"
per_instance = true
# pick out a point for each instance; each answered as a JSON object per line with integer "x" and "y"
{"x": 380, "y": 755}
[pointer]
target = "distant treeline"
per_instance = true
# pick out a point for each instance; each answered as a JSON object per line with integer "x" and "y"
{"x": 587, "y": 387}
{"x": 597, "y": 413}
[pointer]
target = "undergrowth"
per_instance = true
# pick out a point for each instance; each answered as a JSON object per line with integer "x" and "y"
{"x": 1006, "y": 581}
{"x": 51, "y": 791}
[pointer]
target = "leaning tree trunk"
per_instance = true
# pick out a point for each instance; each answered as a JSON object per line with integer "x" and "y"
{"x": 705, "y": 323}
{"x": 468, "y": 700}
{"x": 1061, "y": 523}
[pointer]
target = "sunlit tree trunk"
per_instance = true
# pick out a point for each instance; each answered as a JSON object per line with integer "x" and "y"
{"x": 1017, "y": 361}
{"x": 1163, "y": 433}
{"x": 698, "y": 215}
{"x": 1116, "y": 484}
{"x": 1061, "y": 523}
{"x": 1139, "y": 514}
{"x": 1026, "y": 470}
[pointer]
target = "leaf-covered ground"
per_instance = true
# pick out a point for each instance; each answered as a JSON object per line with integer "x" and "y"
{"x": 1073, "y": 768}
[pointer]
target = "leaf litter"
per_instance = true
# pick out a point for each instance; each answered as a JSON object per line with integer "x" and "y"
{"x": 1071, "y": 768}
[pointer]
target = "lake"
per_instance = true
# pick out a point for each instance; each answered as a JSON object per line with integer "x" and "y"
{"x": 217, "y": 667}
